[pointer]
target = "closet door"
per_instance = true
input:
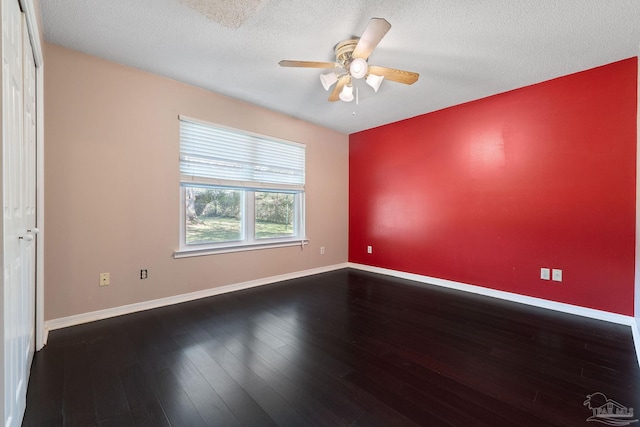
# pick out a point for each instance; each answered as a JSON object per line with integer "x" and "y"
{"x": 18, "y": 187}
{"x": 29, "y": 193}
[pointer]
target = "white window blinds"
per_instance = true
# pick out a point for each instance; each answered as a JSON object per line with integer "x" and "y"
{"x": 215, "y": 155}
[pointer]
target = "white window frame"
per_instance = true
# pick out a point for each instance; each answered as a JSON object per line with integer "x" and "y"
{"x": 249, "y": 240}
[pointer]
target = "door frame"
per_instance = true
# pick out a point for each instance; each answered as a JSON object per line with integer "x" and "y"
{"x": 32, "y": 16}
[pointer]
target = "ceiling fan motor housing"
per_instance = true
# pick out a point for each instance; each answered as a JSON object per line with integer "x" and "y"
{"x": 343, "y": 50}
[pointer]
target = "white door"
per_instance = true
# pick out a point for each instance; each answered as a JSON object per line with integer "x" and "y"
{"x": 28, "y": 190}
{"x": 18, "y": 188}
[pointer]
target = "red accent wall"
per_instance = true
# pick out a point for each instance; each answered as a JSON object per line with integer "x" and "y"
{"x": 488, "y": 192}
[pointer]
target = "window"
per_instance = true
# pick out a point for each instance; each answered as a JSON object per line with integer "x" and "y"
{"x": 239, "y": 190}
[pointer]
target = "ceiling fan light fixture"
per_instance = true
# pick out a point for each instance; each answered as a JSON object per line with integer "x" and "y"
{"x": 374, "y": 81}
{"x": 358, "y": 68}
{"x": 347, "y": 93}
{"x": 351, "y": 57}
{"x": 328, "y": 80}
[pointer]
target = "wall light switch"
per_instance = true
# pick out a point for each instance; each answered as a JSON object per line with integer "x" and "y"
{"x": 545, "y": 274}
{"x": 369, "y": 249}
{"x": 556, "y": 275}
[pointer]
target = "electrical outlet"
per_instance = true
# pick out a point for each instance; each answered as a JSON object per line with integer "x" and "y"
{"x": 322, "y": 250}
{"x": 369, "y": 249}
{"x": 143, "y": 274}
{"x": 545, "y": 274}
{"x": 104, "y": 279}
{"x": 556, "y": 275}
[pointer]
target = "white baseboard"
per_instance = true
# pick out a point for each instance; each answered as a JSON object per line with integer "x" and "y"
{"x": 509, "y": 296}
{"x": 92, "y": 316}
{"x": 78, "y": 319}
{"x": 636, "y": 339}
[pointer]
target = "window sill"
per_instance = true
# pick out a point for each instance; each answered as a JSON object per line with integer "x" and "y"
{"x": 187, "y": 253}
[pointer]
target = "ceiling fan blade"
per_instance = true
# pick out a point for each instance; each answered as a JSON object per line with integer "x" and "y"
{"x": 400, "y": 76}
{"x": 375, "y": 31}
{"x": 335, "y": 95}
{"x": 307, "y": 64}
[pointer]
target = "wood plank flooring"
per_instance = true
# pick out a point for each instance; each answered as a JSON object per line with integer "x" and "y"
{"x": 345, "y": 348}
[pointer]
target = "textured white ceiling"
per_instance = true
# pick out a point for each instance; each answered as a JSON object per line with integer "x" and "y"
{"x": 463, "y": 50}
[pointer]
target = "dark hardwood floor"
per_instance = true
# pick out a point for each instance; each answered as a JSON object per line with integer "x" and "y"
{"x": 340, "y": 348}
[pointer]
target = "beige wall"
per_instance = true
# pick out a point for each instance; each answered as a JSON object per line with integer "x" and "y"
{"x": 112, "y": 194}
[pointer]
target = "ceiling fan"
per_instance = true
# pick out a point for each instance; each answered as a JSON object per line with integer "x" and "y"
{"x": 351, "y": 57}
